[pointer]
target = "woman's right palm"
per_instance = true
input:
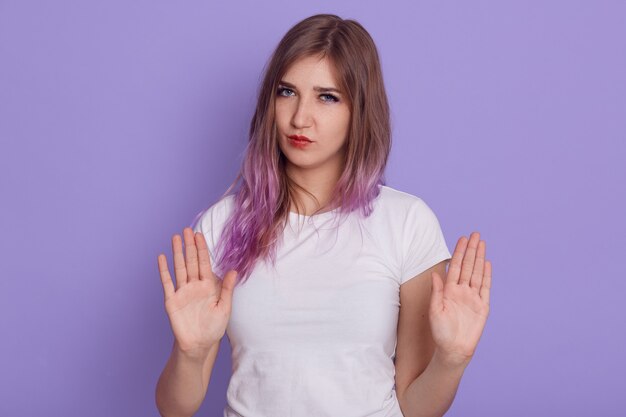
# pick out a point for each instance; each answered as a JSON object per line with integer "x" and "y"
{"x": 199, "y": 308}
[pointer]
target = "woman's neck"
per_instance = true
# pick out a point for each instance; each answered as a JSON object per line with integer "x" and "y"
{"x": 320, "y": 184}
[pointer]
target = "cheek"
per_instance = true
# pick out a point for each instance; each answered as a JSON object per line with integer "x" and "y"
{"x": 343, "y": 123}
{"x": 280, "y": 111}
{"x": 339, "y": 120}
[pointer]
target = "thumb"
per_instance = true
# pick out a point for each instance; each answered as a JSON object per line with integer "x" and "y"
{"x": 436, "y": 300}
{"x": 228, "y": 285}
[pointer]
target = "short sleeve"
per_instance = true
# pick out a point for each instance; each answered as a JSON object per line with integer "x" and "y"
{"x": 423, "y": 242}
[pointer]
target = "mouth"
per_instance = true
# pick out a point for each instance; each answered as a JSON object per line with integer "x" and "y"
{"x": 299, "y": 138}
{"x": 299, "y": 142}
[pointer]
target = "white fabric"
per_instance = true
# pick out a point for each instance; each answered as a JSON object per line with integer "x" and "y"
{"x": 317, "y": 337}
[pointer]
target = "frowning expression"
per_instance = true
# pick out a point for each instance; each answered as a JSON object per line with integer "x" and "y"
{"x": 310, "y": 104}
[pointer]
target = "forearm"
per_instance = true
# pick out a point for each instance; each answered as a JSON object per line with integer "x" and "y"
{"x": 181, "y": 387}
{"x": 431, "y": 394}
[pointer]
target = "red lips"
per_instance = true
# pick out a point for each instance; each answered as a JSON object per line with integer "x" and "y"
{"x": 299, "y": 137}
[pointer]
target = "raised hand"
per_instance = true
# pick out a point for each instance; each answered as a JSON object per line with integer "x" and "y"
{"x": 200, "y": 306}
{"x": 459, "y": 309}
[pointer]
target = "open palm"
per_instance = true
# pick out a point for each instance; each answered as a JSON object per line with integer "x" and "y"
{"x": 459, "y": 309}
{"x": 200, "y": 307}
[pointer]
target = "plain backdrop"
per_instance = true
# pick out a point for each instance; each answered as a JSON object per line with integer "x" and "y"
{"x": 121, "y": 120}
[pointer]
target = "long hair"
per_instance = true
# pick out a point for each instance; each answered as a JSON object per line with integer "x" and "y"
{"x": 262, "y": 201}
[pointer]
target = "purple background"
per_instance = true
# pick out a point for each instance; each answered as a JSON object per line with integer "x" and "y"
{"x": 121, "y": 120}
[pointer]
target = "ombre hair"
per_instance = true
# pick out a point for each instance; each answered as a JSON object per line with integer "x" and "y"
{"x": 265, "y": 194}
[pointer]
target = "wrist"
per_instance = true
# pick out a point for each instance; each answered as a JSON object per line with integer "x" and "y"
{"x": 191, "y": 355}
{"x": 451, "y": 360}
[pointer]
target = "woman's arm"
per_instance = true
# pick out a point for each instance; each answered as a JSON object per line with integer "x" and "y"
{"x": 441, "y": 321}
{"x": 432, "y": 393}
{"x": 425, "y": 383}
{"x": 198, "y": 310}
{"x": 183, "y": 383}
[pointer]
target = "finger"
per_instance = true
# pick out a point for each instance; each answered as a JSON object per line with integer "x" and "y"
{"x": 179, "y": 262}
{"x": 191, "y": 255}
{"x": 485, "y": 289}
{"x": 454, "y": 269}
{"x": 436, "y": 296}
{"x": 228, "y": 285}
{"x": 479, "y": 266}
{"x": 166, "y": 278}
{"x": 204, "y": 259}
{"x": 468, "y": 260}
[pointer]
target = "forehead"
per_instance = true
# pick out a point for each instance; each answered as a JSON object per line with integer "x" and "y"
{"x": 311, "y": 70}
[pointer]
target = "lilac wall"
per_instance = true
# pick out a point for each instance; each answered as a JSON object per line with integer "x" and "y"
{"x": 120, "y": 120}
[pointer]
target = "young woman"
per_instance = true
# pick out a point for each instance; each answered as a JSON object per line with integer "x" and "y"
{"x": 331, "y": 286}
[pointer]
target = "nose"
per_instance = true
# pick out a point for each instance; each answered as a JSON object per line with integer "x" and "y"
{"x": 302, "y": 117}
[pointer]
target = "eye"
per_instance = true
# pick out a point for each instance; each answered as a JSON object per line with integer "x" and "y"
{"x": 283, "y": 89}
{"x": 332, "y": 98}
{"x": 328, "y": 98}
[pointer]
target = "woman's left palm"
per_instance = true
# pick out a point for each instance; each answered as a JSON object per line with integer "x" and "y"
{"x": 459, "y": 309}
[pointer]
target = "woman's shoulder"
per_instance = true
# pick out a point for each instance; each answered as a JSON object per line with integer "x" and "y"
{"x": 400, "y": 207}
{"x": 394, "y": 199}
{"x": 225, "y": 203}
{"x": 215, "y": 214}
{"x": 409, "y": 214}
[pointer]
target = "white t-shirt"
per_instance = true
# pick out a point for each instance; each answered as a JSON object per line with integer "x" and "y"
{"x": 317, "y": 336}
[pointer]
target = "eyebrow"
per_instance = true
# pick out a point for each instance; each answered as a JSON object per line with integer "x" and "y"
{"x": 316, "y": 88}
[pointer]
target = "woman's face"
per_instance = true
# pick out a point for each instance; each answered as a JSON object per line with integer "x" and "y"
{"x": 309, "y": 103}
